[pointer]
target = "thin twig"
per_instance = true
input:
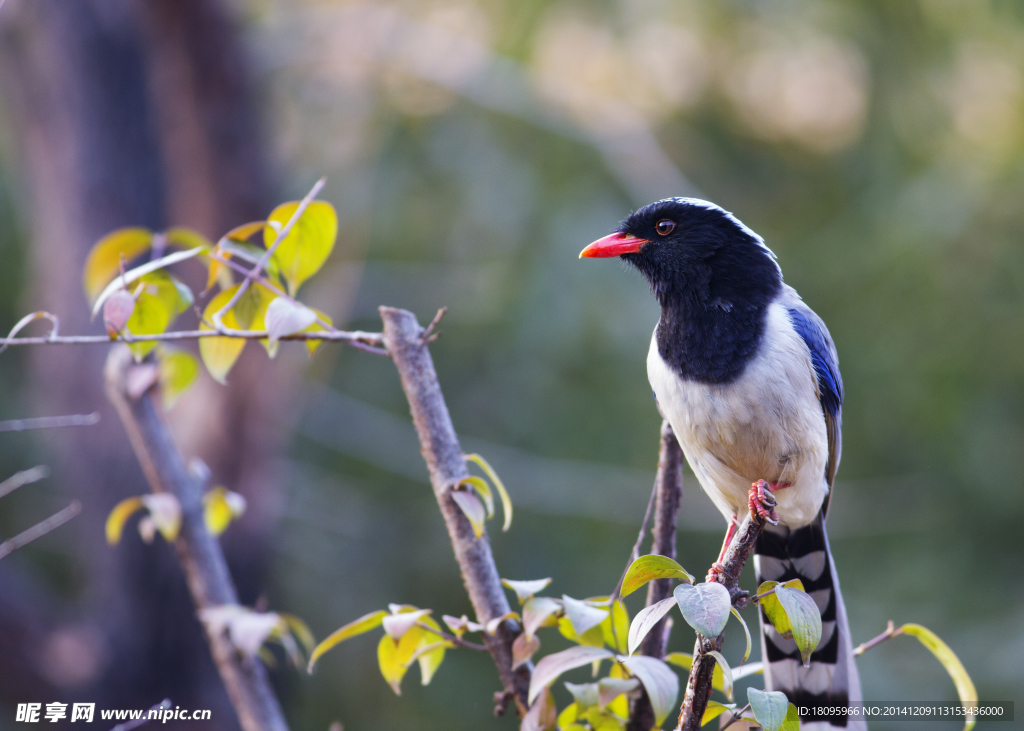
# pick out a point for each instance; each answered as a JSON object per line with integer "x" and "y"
{"x": 635, "y": 553}
{"x": 50, "y": 422}
{"x": 428, "y": 334}
{"x": 452, "y": 638}
{"x": 890, "y": 632}
{"x": 735, "y": 717}
{"x": 25, "y": 477}
{"x": 40, "y": 529}
{"x": 129, "y": 725}
{"x": 762, "y": 595}
{"x": 258, "y": 267}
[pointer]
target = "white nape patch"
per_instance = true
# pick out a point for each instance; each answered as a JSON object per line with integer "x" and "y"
{"x": 708, "y": 205}
{"x": 769, "y": 568}
{"x": 788, "y": 646}
{"x": 821, "y": 597}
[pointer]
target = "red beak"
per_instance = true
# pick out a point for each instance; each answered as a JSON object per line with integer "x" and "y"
{"x": 615, "y": 244}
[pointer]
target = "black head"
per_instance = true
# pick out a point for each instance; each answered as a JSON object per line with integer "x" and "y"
{"x": 713, "y": 276}
{"x": 693, "y": 249}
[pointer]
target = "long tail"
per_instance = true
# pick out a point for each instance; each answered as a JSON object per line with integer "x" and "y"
{"x": 831, "y": 678}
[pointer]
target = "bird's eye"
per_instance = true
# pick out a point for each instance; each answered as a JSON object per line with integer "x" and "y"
{"x": 664, "y": 227}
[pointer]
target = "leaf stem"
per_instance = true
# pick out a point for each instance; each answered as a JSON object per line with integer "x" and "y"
{"x": 452, "y": 638}
{"x": 735, "y": 717}
{"x": 890, "y": 632}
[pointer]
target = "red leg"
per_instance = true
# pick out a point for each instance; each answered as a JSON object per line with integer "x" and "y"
{"x": 714, "y": 572}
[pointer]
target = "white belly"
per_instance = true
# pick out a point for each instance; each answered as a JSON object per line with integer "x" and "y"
{"x": 767, "y": 424}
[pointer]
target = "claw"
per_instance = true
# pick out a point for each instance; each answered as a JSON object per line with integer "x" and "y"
{"x": 762, "y": 501}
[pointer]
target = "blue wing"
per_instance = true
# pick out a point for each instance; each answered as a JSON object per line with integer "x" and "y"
{"x": 830, "y": 384}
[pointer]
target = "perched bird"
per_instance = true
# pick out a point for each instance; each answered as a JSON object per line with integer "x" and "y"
{"x": 748, "y": 377}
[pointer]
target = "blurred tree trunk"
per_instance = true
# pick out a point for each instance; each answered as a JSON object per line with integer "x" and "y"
{"x": 134, "y": 112}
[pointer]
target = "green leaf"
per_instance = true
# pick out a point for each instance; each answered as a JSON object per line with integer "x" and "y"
{"x": 119, "y": 516}
{"x": 364, "y": 624}
{"x": 551, "y": 666}
{"x": 746, "y": 632}
{"x": 769, "y": 708}
{"x": 582, "y": 616}
{"x": 526, "y": 589}
{"x": 178, "y": 371}
{"x": 649, "y": 568}
{"x": 804, "y": 620}
{"x": 473, "y": 509}
{"x": 645, "y": 620}
{"x": 964, "y": 685}
{"x": 727, "y": 681}
{"x": 705, "y": 607}
{"x": 715, "y": 709}
{"x": 483, "y": 490}
{"x": 307, "y": 246}
{"x": 104, "y": 261}
{"x": 792, "y": 722}
{"x": 506, "y": 501}
{"x": 220, "y": 353}
{"x": 539, "y": 611}
{"x": 430, "y": 652}
{"x": 661, "y": 684}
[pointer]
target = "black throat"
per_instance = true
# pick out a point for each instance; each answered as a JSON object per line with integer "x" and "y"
{"x": 713, "y": 317}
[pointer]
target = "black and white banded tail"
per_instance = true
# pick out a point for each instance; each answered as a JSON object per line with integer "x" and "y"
{"x": 831, "y": 677}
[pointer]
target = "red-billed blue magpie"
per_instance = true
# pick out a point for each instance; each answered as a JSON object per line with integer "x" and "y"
{"x": 748, "y": 377}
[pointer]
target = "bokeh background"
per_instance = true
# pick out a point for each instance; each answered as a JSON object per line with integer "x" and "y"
{"x": 472, "y": 148}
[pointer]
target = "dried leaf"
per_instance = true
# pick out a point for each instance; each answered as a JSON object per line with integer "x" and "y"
{"x": 523, "y": 648}
{"x": 539, "y": 611}
{"x": 551, "y": 666}
{"x": 661, "y": 684}
{"x": 582, "y": 616}
{"x": 645, "y": 620}
{"x": 165, "y": 510}
{"x": 116, "y": 311}
{"x": 542, "y": 716}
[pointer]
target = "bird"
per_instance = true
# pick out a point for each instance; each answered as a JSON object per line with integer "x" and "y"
{"x": 748, "y": 377}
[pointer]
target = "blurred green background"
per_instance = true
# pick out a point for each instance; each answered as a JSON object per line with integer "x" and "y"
{"x": 472, "y": 149}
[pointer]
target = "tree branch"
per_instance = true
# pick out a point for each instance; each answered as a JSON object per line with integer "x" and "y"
{"x": 668, "y": 489}
{"x": 40, "y": 529}
{"x": 698, "y": 685}
{"x": 200, "y": 555}
{"x": 403, "y": 338}
{"x": 50, "y": 422}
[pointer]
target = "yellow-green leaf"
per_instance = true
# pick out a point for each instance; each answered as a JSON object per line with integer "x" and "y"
{"x": 804, "y": 619}
{"x": 220, "y": 507}
{"x": 649, "y": 568}
{"x": 119, "y": 516}
{"x": 104, "y": 260}
{"x": 526, "y": 589}
{"x": 615, "y": 628}
{"x": 220, "y": 353}
{"x": 394, "y": 657}
{"x": 506, "y": 501}
{"x": 178, "y": 371}
{"x": 792, "y": 722}
{"x": 186, "y": 238}
{"x": 746, "y": 633}
{"x": 307, "y": 246}
{"x": 774, "y": 610}
{"x": 300, "y": 629}
{"x": 483, "y": 490}
{"x": 430, "y": 653}
{"x": 685, "y": 660}
{"x": 155, "y": 309}
{"x": 165, "y": 511}
{"x": 715, "y": 709}
{"x": 593, "y": 637}
{"x": 964, "y": 685}
{"x": 364, "y": 624}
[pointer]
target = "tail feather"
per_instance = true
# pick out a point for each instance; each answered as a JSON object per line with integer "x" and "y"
{"x": 831, "y": 677}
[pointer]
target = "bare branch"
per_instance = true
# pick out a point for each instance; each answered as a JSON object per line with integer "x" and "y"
{"x": 25, "y": 477}
{"x": 452, "y": 638}
{"x": 668, "y": 491}
{"x": 206, "y": 571}
{"x": 736, "y": 716}
{"x": 403, "y": 338}
{"x": 890, "y": 632}
{"x": 50, "y": 422}
{"x": 40, "y": 529}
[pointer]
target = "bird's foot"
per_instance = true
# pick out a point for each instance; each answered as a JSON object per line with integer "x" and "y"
{"x": 762, "y": 500}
